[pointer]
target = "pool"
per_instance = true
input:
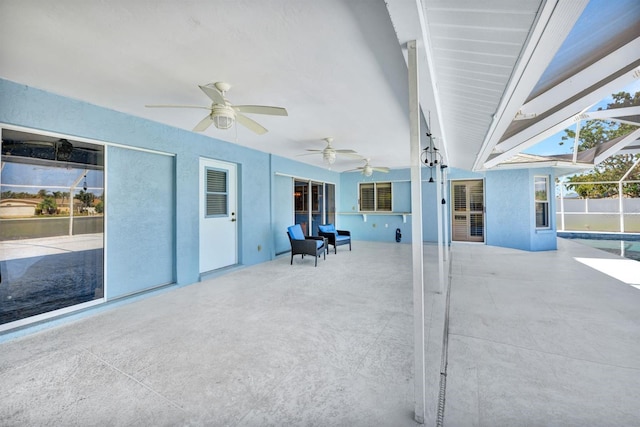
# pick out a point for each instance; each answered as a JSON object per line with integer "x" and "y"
{"x": 626, "y": 245}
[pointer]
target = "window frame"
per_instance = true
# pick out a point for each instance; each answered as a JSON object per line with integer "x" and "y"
{"x": 376, "y": 198}
{"x": 546, "y": 203}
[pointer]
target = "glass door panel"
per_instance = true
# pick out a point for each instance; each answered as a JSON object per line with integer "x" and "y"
{"x": 317, "y": 203}
{"x": 51, "y": 224}
{"x": 301, "y": 204}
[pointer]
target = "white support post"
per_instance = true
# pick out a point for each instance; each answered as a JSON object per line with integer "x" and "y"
{"x": 416, "y": 236}
{"x": 562, "y": 190}
{"x": 440, "y": 231}
{"x": 620, "y": 195}
{"x": 621, "y": 206}
{"x": 445, "y": 215}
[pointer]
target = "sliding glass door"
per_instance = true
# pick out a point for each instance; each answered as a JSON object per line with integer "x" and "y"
{"x": 51, "y": 224}
{"x": 314, "y": 204}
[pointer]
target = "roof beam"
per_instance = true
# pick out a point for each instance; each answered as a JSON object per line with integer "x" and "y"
{"x": 617, "y": 147}
{"x": 558, "y": 120}
{"x": 584, "y": 79}
{"x": 556, "y": 19}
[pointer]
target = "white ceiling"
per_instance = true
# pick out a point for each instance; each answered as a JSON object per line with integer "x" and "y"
{"x": 338, "y": 66}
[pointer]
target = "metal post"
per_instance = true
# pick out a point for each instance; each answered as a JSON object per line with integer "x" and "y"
{"x": 621, "y": 206}
{"x": 416, "y": 235}
{"x": 562, "y": 189}
{"x": 440, "y": 231}
{"x": 445, "y": 215}
{"x": 620, "y": 195}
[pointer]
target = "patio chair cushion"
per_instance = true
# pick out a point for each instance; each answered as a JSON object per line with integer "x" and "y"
{"x": 295, "y": 231}
{"x": 328, "y": 228}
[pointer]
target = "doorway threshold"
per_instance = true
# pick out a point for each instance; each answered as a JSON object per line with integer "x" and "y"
{"x": 220, "y": 272}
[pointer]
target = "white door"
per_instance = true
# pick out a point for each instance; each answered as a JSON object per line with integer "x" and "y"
{"x": 218, "y": 215}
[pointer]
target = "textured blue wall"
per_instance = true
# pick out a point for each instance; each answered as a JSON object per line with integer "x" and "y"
{"x": 508, "y": 210}
{"x": 511, "y": 210}
{"x": 148, "y": 209}
{"x": 378, "y": 227}
{"x": 39, "y": 110}
{"x": 510, "y": 219}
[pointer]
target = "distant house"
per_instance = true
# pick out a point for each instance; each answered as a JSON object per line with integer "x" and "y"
{"x": 11, "y": 208}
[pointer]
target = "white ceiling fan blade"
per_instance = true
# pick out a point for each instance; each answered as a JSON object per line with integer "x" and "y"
{"x": 204, "y": 124}
{"x": 261, "y": 109}
{"x": 346, "y": 151}
{"x": 315, "y": 151}
{"x": 356, "y": 169}
{"x": 176, "y": 106}
{"x": 213, "y": 94}
{"x": 381, "y": 169}
{"x": 251, "y": 124}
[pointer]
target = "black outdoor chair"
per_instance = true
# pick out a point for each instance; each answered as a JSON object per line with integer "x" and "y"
{"x": 306, "y": 245}
{"x": 335, "y": 237}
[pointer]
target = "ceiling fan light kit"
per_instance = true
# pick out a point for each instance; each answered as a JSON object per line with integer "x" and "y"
{"x": 223, "y": 114}
{"x": 329, "y": 157}
{"x": 367, "y": 170}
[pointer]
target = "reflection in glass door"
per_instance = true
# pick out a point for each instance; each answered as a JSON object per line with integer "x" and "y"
{"x": 301, "y": 204}
{"x": 51, "y": 224}
{"x": 314, "y": 204}
{"x": 317, "y": 206}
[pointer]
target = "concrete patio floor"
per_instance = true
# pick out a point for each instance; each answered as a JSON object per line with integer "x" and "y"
{"x": 534, "y": 339}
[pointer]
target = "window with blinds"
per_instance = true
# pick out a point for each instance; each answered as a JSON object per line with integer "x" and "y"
{"x": 217, "y": 193}
{"x": 375, "y": 196}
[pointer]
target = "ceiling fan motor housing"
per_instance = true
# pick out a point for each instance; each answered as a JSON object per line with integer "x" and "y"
{"x": 223, "y": 116}
{"x": 329, "y": 156}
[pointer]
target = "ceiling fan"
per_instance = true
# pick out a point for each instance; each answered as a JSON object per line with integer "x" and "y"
{"x": 329, "y": 153}
{"x": 222, "y": 114}
{"x": 367, "y": 169}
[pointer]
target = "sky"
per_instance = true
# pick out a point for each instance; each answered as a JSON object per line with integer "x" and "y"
{"x": 551, "y": 145}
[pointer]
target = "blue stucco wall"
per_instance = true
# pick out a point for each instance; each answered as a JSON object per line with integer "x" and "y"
{"x": 377, "y": 227}
{"x": 39, "y": 110}
{"x": 147, "y": 209}
{"x": 509, "y": 194}
{"x": 510, "y": 218}
{"x": 510, "y": 208}
{"x": 508, "y": 212}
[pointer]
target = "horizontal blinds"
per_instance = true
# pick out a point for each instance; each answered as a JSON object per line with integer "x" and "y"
{"x": 367, "y": 197}
{"x": 216, "y": 181}
{"x": 216, "y": 198}
{"x": 460, "y": 197}
{"x": 383, "y": 192}
{"x": 476, "y": 197}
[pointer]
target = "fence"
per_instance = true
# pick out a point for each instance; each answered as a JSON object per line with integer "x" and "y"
{"x": 620, "y": 215}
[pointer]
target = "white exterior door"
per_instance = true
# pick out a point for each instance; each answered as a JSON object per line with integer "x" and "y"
{"x": 218, "y": 215}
